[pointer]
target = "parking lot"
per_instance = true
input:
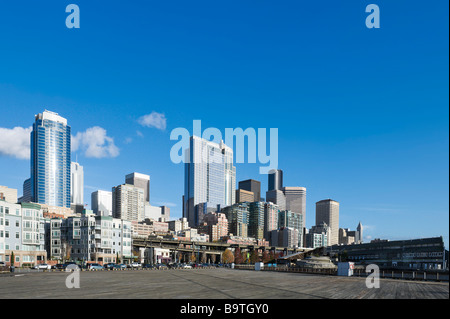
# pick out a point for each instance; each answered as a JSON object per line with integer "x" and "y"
{"x": 204, "y": 283}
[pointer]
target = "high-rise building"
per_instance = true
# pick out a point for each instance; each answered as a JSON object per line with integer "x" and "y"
{"x": 359, "y": 232}
{"x": 270, "y": 219}
{"x": 128, "y": 202}
{"x": 296, "y": 200}
{"x": 76, "y": 184}
{"x": 101, "y": 203}
{"x": 253, "y": 186}
{"x": 318, "y": 236}
{"x": 276, "y": 196}
{"x": 210, "y": 177}
{"x": 327, "y": 211}
{"x": 238, "y": 218}
{"x": 50, "y": 160}
{"x": 140, "y": 180}
{"x": 285, "y": 237}
{"x": 287, "y": 218}
{"x": 275, "y": 179}
{"x": 215, "y": 225}
{"x": 26, "y": 197}
{"x": 256, "y": 220}
{"x": 244, "y": 196}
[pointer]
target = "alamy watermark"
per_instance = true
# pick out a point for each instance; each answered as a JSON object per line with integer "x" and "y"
{"x": 373, "y": 279}
{"x": 256, "y": 145}
{"x": 73, "y": 280}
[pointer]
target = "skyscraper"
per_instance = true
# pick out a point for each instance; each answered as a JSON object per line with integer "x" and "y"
{"x": 287, "y": 218}
{"x": 253, "y": 186}
{"x": 296, "y": 200}
{"x": 210, "y": 177}
{"x": 128, "y": 202}
{"x": 50, "y": 160}
{"x": 275, "y": 179}
{"x": 270, "y": 219}
{"x": 76, "y": 184}
{"x": 101, "y": 203}
{"x": 238, "y": 219}
{"x": 327, "y": 211}
{"x": 256, "y": 220}
{"x": 244, "y": 196}
{"x": 140, "y": 180}
{"x": 276, "y": 196}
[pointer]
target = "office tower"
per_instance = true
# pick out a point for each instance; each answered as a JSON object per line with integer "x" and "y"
{"x": 270, "y": 219}
{"x": 256, "y": 220}
{"x": 253, "y": 186}
{"x": 346, "y": 236}
{"x": 215, "y": 225}
{"x": 26, "y": 197}
{"x": 275, "y": 179}
{"x": 128, "y": 202}
{"x": 359, "y": 234}
{"x": 210, "y": 178}
{"x": 238, "y": 218}
{"x": 101, "y": 203}
{"x": 165, "y": 212}
{"x": 296, "y": 200}
{"x": 327, "y": 211}
{"x": 277, "y": 197}
{"x": 50, "y": 160}
{"x": 140, "y": 180}
{"x": 318, "y": 236}
{"x": 244, "y": 196}
{"x": 294, "y": 220}
{"x": 77, "y": 184}
{"x": 285, "y": 237}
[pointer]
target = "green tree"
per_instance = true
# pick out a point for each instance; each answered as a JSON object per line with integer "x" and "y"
{"x": 11, "y": 261}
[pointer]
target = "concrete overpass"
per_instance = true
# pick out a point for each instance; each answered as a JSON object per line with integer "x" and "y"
{"x": 186, "y": 248}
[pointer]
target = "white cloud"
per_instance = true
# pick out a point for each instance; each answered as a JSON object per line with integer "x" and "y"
{"x": 154, "y": 119}
{"x": 15, "y": 142}
{"x": 95, "y": 143}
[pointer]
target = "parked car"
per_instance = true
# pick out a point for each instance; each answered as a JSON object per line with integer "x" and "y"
{"x": 42, "y": 266}
{"x": 136, "y": 265}
{"x": 120, "y": 266}
{"x": 109, "y": 266}
{"x": 148, "y": 266}
{"x": 187, "y": 266}
{"x": 94, "y": 266}
{"x": 60, "y": 266}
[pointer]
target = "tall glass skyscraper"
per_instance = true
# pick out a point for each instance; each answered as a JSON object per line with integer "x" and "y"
{"x": 209, "y": 180}
{"x": 50, "y": 160}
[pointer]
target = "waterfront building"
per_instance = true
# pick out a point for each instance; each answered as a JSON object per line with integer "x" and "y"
{"x": 22, "y": 233}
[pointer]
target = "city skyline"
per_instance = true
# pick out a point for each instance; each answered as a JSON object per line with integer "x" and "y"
{"x": 360, "y": 126}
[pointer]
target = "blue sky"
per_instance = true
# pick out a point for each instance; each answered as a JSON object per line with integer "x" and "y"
{"x": 362, "y": 114}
